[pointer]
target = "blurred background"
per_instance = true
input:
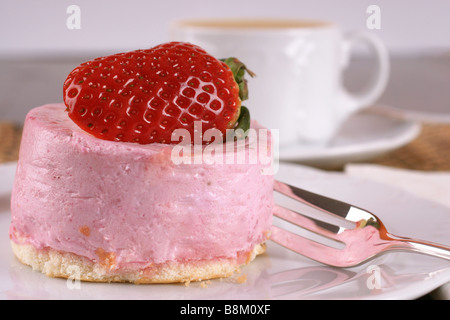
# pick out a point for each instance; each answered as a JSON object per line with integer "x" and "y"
{"x": 38, "y": 50}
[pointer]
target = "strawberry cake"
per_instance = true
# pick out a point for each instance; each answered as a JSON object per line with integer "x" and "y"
{"x": 97, "y": 194}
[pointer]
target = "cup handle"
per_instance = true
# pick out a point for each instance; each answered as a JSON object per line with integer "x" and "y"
{"x": 368, "y": 95}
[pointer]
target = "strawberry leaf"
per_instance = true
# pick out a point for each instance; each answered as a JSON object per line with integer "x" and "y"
{"x": 239, "y": 69}
{"x": 242, "y": 123}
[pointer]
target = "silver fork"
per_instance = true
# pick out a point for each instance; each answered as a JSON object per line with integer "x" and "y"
{"x": 352, "y": 235}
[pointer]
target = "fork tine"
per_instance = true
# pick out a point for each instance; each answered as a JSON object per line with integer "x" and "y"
{"x": 334, "y": 209}
{"x": 306, "y": 247}
{"x": 308, "y": 223}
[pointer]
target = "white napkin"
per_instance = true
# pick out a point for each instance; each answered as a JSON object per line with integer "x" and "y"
{"x": 433, "y": 186}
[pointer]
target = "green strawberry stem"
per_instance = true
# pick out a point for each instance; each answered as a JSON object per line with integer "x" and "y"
{"x": 243, "y": 121}
{"x": 239, "y": 69}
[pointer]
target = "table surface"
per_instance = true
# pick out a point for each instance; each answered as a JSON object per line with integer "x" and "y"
{"x": 430, "y": 151}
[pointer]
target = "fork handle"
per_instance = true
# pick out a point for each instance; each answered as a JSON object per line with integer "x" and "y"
{"x": 421, "y": 246}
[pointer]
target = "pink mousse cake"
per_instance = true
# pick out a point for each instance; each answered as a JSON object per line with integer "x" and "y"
{"x": 119, "y": 211}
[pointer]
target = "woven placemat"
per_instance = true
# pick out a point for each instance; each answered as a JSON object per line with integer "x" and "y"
{"x": 430, "y": 151}
{"x": 10, "y": 135}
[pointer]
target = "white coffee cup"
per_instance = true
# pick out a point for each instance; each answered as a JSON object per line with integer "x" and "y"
{"x": 298, "y": 65}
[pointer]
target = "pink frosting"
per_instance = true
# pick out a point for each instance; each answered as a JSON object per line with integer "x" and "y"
{"x": 76, "y": 193}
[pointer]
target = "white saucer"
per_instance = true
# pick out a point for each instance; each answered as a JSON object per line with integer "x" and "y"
{"x": 280, "y": 273}
{"x": 365, "y": 135}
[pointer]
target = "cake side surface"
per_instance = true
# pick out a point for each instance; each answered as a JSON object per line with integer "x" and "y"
{"x": 129, "y": 205}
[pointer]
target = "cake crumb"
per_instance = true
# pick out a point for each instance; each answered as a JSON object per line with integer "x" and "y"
{"x": 187, "y": 283}
{"x": 241, "y": 279}
{"x": 205, "y": 284}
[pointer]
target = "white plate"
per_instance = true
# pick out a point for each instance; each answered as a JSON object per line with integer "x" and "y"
{"x": 363, "y": 136}
{"x": 280, "y": 273}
